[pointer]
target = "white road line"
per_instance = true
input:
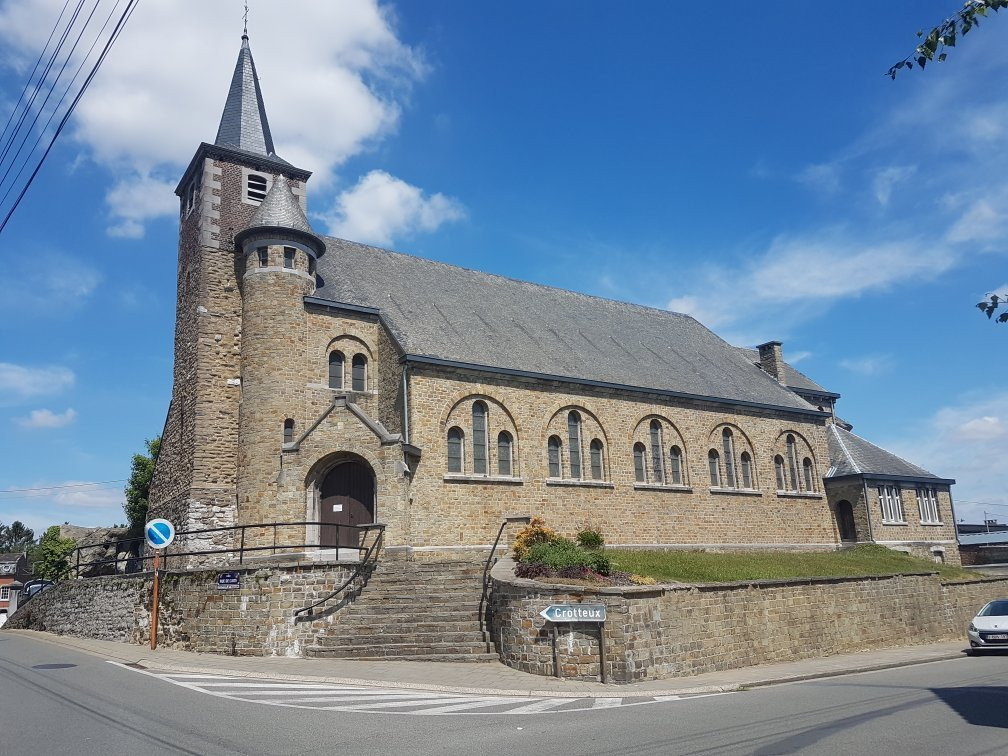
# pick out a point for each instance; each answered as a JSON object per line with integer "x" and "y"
{"x": 349, "y": 699}
{"x": 348, "y": 693}
{"x": 606, "y": 703}
{"x": 542, "y": 705}
{"x": 477, "y": 704}
{"x": 280, "y": 684}
{"x": 393, "y": 704}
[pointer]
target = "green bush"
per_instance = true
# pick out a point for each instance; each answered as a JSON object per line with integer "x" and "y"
{"x": 562, "y": 552}
{"x": 590, "y": 538}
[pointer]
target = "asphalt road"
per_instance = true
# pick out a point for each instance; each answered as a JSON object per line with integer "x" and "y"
{"x": 54, "y": 700}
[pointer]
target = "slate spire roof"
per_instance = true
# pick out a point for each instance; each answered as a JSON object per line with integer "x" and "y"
{"x": 243, "y": 124}
{"x": 281, "y": 210}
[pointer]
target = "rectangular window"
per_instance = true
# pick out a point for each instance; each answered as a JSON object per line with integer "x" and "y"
{"x": 256, "y": 188}
{"x": 890, "y": 504}
{"x": 288, "y": 257}
{"x": 927, "y": 503}
{"x": 263, "y": 253}
{"x": 503, "y": 454}
{"x": 4, "y": 593}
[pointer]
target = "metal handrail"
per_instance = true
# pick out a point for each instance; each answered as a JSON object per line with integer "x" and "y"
{"x": 365, "y": 563}
{"x": 75, "y": 563}
{"x": 489, "y": 563}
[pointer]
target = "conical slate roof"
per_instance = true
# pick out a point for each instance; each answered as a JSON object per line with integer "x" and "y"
{"x": 280, "y": 208}
{"x": 243, "y": 124}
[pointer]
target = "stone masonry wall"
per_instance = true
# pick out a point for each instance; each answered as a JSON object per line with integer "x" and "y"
{"x": 674, "y": 631}
{"x": 194, "y": 614}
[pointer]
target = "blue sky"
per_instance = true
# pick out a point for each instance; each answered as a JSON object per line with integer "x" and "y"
{"x": 750, "y": 165}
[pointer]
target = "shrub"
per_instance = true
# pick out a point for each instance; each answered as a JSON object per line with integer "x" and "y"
{"x": 532, "y": 571}
{"x": 642, "y": 580}
{"x": 590, "y": 538}
{"x": 535, "y": 532}
{"x": 562, "y": 553}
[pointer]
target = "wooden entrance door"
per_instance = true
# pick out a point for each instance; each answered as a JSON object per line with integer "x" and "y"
{"x": 845, "y": 521}
{"x": 348, "y": 498}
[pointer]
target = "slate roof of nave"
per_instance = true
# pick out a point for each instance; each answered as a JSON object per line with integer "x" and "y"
{"x": 794, "y": 379}
{"x": 446, "y": 312}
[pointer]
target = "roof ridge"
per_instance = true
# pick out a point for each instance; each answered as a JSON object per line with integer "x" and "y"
{"x": 846, "y": 451}
{"x": 891, "y": 454}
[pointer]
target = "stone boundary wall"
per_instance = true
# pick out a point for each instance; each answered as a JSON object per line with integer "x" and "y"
{"x": 655, "y": 632}
{"x": 195, "y": 614}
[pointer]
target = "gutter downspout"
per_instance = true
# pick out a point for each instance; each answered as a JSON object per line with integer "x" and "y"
{"x": 405, "y": 402}
{"x": 871, "y": 528}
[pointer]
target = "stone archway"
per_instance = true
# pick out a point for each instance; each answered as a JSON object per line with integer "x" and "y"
{"x": 346, "y": 496}
{"x": 845, "y": 521}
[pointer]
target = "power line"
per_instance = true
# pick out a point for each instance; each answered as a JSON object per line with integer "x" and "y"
{"x": 58, "y": 488}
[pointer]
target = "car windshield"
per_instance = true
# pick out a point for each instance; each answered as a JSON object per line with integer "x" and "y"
{"x": 995, "y": 609}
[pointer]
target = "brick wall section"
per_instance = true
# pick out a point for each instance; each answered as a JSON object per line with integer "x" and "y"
{"x": 852, "y": 490}
{"x": 674, "y": 631}
{"x": 194, "y": 614}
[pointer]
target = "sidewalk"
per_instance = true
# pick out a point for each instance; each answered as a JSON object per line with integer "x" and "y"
{"x": 492, "y": 678}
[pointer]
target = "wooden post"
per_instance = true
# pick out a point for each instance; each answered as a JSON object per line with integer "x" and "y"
{"x": 154, "y": 607}
{"x": 601, "y": 652}
{"x": 556, "y": 655}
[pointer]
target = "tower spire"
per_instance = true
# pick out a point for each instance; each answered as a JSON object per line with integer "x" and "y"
{"x": 245, "y": 27}
{"x": 243, "y": 123}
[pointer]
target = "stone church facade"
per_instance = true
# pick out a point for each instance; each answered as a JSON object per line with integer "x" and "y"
{"x": 438, "y": 400}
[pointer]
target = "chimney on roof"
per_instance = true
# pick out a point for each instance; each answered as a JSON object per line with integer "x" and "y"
{"x": 771, "y": 359}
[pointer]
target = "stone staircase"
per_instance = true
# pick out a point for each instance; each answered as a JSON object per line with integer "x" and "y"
{"x": 419, "y": 611}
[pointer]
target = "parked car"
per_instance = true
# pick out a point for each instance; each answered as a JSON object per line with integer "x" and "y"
{"x": 989, "y": 629}
{"x": 34, "y": 586}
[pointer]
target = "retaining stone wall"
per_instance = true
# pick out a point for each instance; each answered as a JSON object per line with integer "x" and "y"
{"x": 194, "y": 615}
{"x": 655, "y": 632}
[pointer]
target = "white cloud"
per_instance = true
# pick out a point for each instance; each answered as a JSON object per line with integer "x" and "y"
{"x": 162, "y": 88}
{"x": 27, "y": 282}
{"x": 85, "y": 495}
{"x": 21, "y": 382}
{"x": 823, "y": 177}
{"x": 887, "y": 179}
{"x": 135, "y": 199}
{"x": 795, "y": 357}
{"x": 981, "y": 221}
{"x": 381, "y": 207}
{"x": 45, "y": 418}
{"x": 869, "y": 365}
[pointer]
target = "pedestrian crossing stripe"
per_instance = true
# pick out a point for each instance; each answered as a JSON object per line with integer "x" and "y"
{"x": 365, "y": 699}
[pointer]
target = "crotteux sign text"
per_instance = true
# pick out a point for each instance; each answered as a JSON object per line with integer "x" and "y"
{"x": 574, "y": 613}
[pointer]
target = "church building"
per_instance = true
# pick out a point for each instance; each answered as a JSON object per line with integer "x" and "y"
{"x": 321, "y": 380}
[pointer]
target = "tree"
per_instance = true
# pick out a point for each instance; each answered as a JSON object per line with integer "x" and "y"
{"x": 50, "y": 559}
{"x": 138, "y": 486}
{"x": 944, "y": 34}
{"x": 15, "y": 537}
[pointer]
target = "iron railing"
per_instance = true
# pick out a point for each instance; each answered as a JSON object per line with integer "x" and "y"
{"x": 524, "y": 520}
{"x": 362, "y": 572}
{"x": 135, "y": 557}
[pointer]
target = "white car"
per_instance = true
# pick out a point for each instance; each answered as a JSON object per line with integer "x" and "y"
{"x": 989, "y": 629}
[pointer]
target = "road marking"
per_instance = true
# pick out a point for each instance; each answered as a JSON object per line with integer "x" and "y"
{"x": 364, "y": 699}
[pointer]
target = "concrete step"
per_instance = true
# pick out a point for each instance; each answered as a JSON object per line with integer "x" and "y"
{"x": 421, "y": 625}
{"x": 442, "y": 652}
{"x": 328, "y": 653}
{"x": 356, "y": 640}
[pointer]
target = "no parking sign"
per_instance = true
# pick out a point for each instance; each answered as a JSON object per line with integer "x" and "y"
{"x": 159, "y": 533}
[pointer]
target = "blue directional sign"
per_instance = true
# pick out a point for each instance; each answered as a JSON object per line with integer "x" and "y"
{"x": 574, "y": 613}
{"x": 159, "y": 533}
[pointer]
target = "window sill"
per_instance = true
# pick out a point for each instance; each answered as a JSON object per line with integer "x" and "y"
{"x": 736, "y": 491}
{"x": 463, "y": 478}
{"x": 799, "y": 495}
{"x": 342, "y": 391}
{"x": 933, "y": 524}
{"x": 902, "y": 523}
{"x": 579, "y": 483}
{"x": 677, "y": 488}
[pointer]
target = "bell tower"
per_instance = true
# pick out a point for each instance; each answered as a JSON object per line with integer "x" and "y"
{"x": 195, "y": 479}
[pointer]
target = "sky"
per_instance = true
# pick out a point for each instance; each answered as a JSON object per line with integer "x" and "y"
{"x": 747, "y": 163}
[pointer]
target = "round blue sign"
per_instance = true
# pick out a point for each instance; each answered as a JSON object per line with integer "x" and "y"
{"x": 159, "y": 533}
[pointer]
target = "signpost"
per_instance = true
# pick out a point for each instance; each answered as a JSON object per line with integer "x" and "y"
{"x": 570, "y": 613}
{"x": 159, "y": 534}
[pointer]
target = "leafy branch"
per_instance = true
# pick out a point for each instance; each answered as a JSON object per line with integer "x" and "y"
{"x": 944, "y": 35}
{"x": 991, "y": 304}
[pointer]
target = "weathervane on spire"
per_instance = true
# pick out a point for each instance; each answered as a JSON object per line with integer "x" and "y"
{"x": 245, "y": 30}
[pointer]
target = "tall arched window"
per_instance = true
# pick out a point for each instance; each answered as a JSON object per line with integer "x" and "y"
{"x": 574, "y": 439}
{"x": 597, "y": 464}
{"x": 715, "y": 471}
{"x": 504, "y": 453}
{"x": 336, "y": 360}
{"x": 746, "y": 465}
{"x": 778, "y": 463}
{"x": 657, "y": 466}
{"x": 456, "y": 461}
{"x": 792, "y": 458}
{"x": 553, "y": 454}
{"x": 359, "y": 373}
{"x": 479, "y": 438}
{"x": 729, "y": 457}
{"x": 675, "y": 466}
{"x": 809, "y": 477}
{"x": 639, "y": 464}
{"x": 288, "y": 436}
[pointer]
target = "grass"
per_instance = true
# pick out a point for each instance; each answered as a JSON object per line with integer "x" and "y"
{"x": 708, "y": 567}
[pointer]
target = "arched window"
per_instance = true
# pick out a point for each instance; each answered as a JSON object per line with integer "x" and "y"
{"x": 359, "y": 378}
{"x": 456, "y": 460}
{"x": 479, "y": 438}
{"x": 746, "y": 465}
{"x": 792, "y": 458}
{"x": 639, "y": 453}
{"x": 597, "y": 465}
{"x": 553, "y": 453}
{"x": 778, "y": 463}
{"x": 336, "y": 360}
{"x": 729, "y": 457}
{"x": 809, "y": 477}
{"x": 504, "y": 453}
{"x": 657, "y": 466}
{"x": 675, "y": 466}
{"x": 574, "y": 439}
{"x": 288, "y": 437}
{"x": 715, "y": 471}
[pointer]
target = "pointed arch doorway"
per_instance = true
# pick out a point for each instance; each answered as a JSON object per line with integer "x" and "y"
{"x": 346, "y": 497}
{"x": 845, "y": 521}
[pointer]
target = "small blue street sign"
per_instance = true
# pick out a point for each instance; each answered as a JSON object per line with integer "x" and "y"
{"x": 159, "y": 533}
{"x": 228, "y": 581}
{"x": 574, "y": 613}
